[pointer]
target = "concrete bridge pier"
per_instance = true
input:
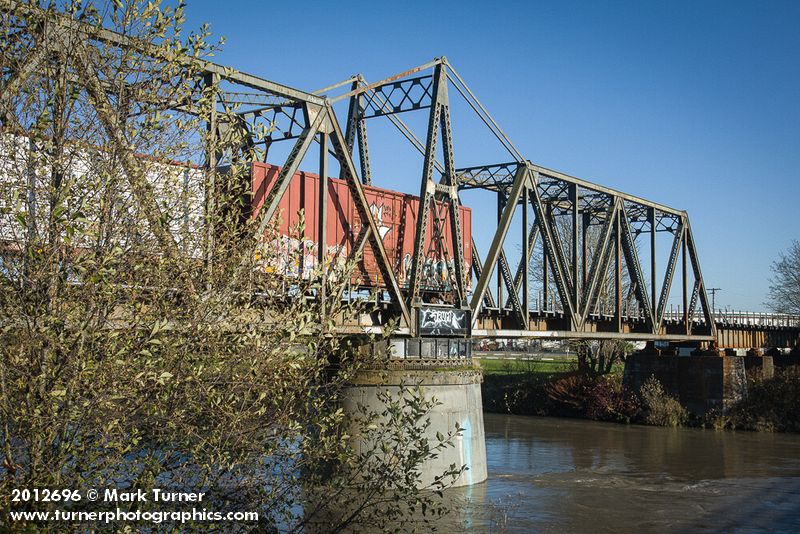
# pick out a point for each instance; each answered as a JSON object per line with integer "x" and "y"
{"x": 453, "y": 382}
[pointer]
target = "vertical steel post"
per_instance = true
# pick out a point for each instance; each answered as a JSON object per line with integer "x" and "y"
{"x": 651, "y": 217}
{"x": 363, "y": 145}
{"x": 357, "y": 130}
{"x": 526, "y": 253}
{"x": 585, "y": 249}
{"x": 618, "y": 271}
{"x": 451, "y": 179}
{"x": 322, "y": 219}
{"x": 576, "y": 283}
{"x": 546, "y": 266}
{"x": 352, "y": 118}
{"x": 427, "y": 187}
{"x": 31, "y": 193}
{"x": 500, "y": 206}
{"x": 210, "y": 81}
{"x": 685, "y": 276}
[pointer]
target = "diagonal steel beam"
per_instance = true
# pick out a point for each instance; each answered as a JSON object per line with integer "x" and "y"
{"x": 94, "y": 33}
{"x": 528, "y": 241}
{"x": 666, "y": 286}
{"x": 482, "y": 113}
{"x": 18, "y": 78}
{"x": 513, "y": 296}
{"x": 533, "y": 237}
{"x": 554, "y": 253}
{"x": 693, "y": 301}
{"x": 477, "y": 268}
{"x": 358, "y": 247}
{"x": 287, "y": 172}
{"x": 698, "y": 275}
{"x": 522, "y": 178}
{"x": 115, "y": 128}
{"x": 635, "y": 268}
{"x": 599, "y": 266}
{"x": 348, "y": 171}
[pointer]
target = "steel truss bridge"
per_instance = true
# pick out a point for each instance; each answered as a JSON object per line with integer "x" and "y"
{"x": 589, "y": 252}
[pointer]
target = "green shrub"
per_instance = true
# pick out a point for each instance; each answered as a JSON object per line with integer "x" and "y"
{"x": 607, "y": 400}
{"x": 771, "y": 406}
{"x": 659, "y": 407}
{"x": 520, "y": 394}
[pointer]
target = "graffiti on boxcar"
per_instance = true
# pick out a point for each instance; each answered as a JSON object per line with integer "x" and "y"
{"x": 377, "y": 213}
{"x": 294, "y": 257}
{"x": 297, "y": 257}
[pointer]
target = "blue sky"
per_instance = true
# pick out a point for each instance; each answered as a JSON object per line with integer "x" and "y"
{"x": 695, "y": 105}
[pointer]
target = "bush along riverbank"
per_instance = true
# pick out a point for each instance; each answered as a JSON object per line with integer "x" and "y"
{"x": 771, "y": 405}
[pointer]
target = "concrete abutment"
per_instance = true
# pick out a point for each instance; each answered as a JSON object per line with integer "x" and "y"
{"x": 458, "y": 392}
{"x": 701, "y": 382}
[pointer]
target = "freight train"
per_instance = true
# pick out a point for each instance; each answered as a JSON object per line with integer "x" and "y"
{"x": 395, "y": 215}
{"x": 179, "y": 189}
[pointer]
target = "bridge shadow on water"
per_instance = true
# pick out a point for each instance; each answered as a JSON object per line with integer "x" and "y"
{"x": 560, "y": 475}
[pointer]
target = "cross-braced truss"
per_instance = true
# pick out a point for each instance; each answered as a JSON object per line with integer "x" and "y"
{"x": 587, "y": 237}
{"x": 581, "y": 242}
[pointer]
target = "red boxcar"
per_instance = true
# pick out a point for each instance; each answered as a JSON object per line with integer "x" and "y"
{"x": 395, "y": 214}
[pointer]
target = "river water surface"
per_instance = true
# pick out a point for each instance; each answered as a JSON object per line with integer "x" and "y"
{"x": 563, "y": 475}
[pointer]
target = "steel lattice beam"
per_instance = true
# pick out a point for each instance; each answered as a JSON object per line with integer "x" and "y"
{"x": 561, "y": 204}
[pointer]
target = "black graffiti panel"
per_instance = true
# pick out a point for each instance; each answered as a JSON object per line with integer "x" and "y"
{"x": 443, "y": 322}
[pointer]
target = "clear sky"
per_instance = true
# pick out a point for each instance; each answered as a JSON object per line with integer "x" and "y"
{"x": 695, "y": 105}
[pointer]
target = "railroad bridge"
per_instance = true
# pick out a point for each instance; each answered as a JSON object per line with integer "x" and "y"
{"x": 588, "y": 261}
{"x": 579, "y": 246}
{"x": 566, "y": 258}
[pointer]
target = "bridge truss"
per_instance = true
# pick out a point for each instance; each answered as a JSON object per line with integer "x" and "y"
{"x": 581, "y": 242}
{"x": 587, "y": 233}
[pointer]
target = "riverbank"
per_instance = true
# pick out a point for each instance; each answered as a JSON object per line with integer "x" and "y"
{"x": 558, "y": 389}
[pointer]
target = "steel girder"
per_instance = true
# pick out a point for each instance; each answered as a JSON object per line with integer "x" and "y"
{"x": 102, "y": 35}
{"x": 580, "y": 270}
{"x": 409, "y": 91}
{"x": 357, "y": 128}
{"x": 311, "y": 119}
{"x": 580, "y": 276}
{"x": 431, "y": 195}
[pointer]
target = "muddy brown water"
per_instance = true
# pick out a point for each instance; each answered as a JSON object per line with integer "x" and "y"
{"x": 563, "y": 475}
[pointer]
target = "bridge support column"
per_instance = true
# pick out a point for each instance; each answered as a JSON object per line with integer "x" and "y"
{"x": 458, "y": 392}
{"x": 701, "y": 382}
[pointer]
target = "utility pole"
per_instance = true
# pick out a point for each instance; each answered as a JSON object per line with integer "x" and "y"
{"x": 713, "y": 292}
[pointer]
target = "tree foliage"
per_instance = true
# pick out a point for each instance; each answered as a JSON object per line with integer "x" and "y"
{"x": 562, "y": 227}
{"x": 600, "y": 356}
{"x": 143, "y": 342}
{"x": 784, "y": 289}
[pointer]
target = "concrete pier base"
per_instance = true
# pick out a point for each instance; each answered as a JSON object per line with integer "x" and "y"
{"x": 458, "y": 392}
{"x": 701, "y": 383}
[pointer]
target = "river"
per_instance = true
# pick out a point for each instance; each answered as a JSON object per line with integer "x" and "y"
{"x": 563, "y": 475}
